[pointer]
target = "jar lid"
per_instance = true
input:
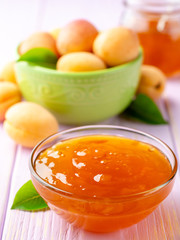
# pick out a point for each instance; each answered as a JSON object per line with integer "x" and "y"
{"x": 156, "y": 6}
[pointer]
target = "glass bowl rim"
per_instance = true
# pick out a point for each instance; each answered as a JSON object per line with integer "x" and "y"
{"x": 112, "y": 199}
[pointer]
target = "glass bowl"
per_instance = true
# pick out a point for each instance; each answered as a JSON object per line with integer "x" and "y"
{"x": 103, "y": 214}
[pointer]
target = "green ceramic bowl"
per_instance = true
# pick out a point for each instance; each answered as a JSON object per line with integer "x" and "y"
{"x": 80, "y": 98}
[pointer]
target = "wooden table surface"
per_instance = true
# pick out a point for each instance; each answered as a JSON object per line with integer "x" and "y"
{"x": 18, "y": 19}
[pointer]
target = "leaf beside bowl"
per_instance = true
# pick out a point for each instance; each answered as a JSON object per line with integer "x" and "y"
{"x": 144, "y": 109}
{"x": 28, "y": 199}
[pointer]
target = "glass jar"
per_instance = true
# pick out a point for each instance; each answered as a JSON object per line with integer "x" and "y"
{"x": 157, "y": 23}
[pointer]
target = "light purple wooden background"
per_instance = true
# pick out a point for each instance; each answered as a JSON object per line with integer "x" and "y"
{"x": 18, "y": 19}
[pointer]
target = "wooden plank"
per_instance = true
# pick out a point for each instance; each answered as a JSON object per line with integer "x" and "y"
{"x": 13, "y": 16}
{"x": 173, "y": 109}
{"x": 7, "y": 153}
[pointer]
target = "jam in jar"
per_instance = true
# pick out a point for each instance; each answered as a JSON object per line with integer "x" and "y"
{"x": 157, "y": 23}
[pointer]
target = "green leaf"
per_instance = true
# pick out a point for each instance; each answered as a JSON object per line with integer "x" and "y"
{"x": 40, "y": 56}
{"x": 27, "y": 198}
{"x": 144, "y": 109}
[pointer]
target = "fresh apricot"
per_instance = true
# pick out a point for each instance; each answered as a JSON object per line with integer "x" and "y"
{"x": 77, "y": 36}
{"x": 8, "y": 73}
{"x": 80, "y": 62}
{"x": 152, "y": 81}
{"x": 38, "y": 40}
{"x": 116, "y": 46}
{"x": 9, "y": 95}
{"x": 55, "y": 33}
{"x": 26, "y": 127}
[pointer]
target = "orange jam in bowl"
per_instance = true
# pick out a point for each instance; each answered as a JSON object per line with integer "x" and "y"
{"x": 103, "y": 178}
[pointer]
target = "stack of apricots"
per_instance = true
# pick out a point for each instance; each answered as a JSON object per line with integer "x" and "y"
{"x": 79, "y": 47}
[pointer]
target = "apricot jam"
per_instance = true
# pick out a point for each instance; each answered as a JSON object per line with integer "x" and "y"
{"x": 103, "y": 166}
{"x": 102, "y": 182}
{"x": 162, "y": 48}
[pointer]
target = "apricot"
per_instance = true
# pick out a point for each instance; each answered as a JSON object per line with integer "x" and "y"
{"x": 9, "y": 95}
{"x": 77, "y": 36}
{"x": 38, "y": 40}
{"x": 116, "y": 46}
{"x": 28, "y": 123}
{"x": 55, "y": 33}
{"x": 152, "y": 81}
{"x": 8, "y": 73}
{"x": 80, "y": 62}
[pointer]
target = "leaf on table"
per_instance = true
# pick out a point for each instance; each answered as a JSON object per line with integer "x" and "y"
{"x": 40, "y": 56}
{"x": 27, "y": 198}
{"x": 144, "y": 109}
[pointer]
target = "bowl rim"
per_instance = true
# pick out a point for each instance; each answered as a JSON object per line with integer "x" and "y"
{"x": 79, "y": 74}
{"x": 112, "y": 199}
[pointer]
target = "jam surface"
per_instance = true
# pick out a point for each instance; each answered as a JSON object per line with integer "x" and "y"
{"x": 103, "y": 166}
